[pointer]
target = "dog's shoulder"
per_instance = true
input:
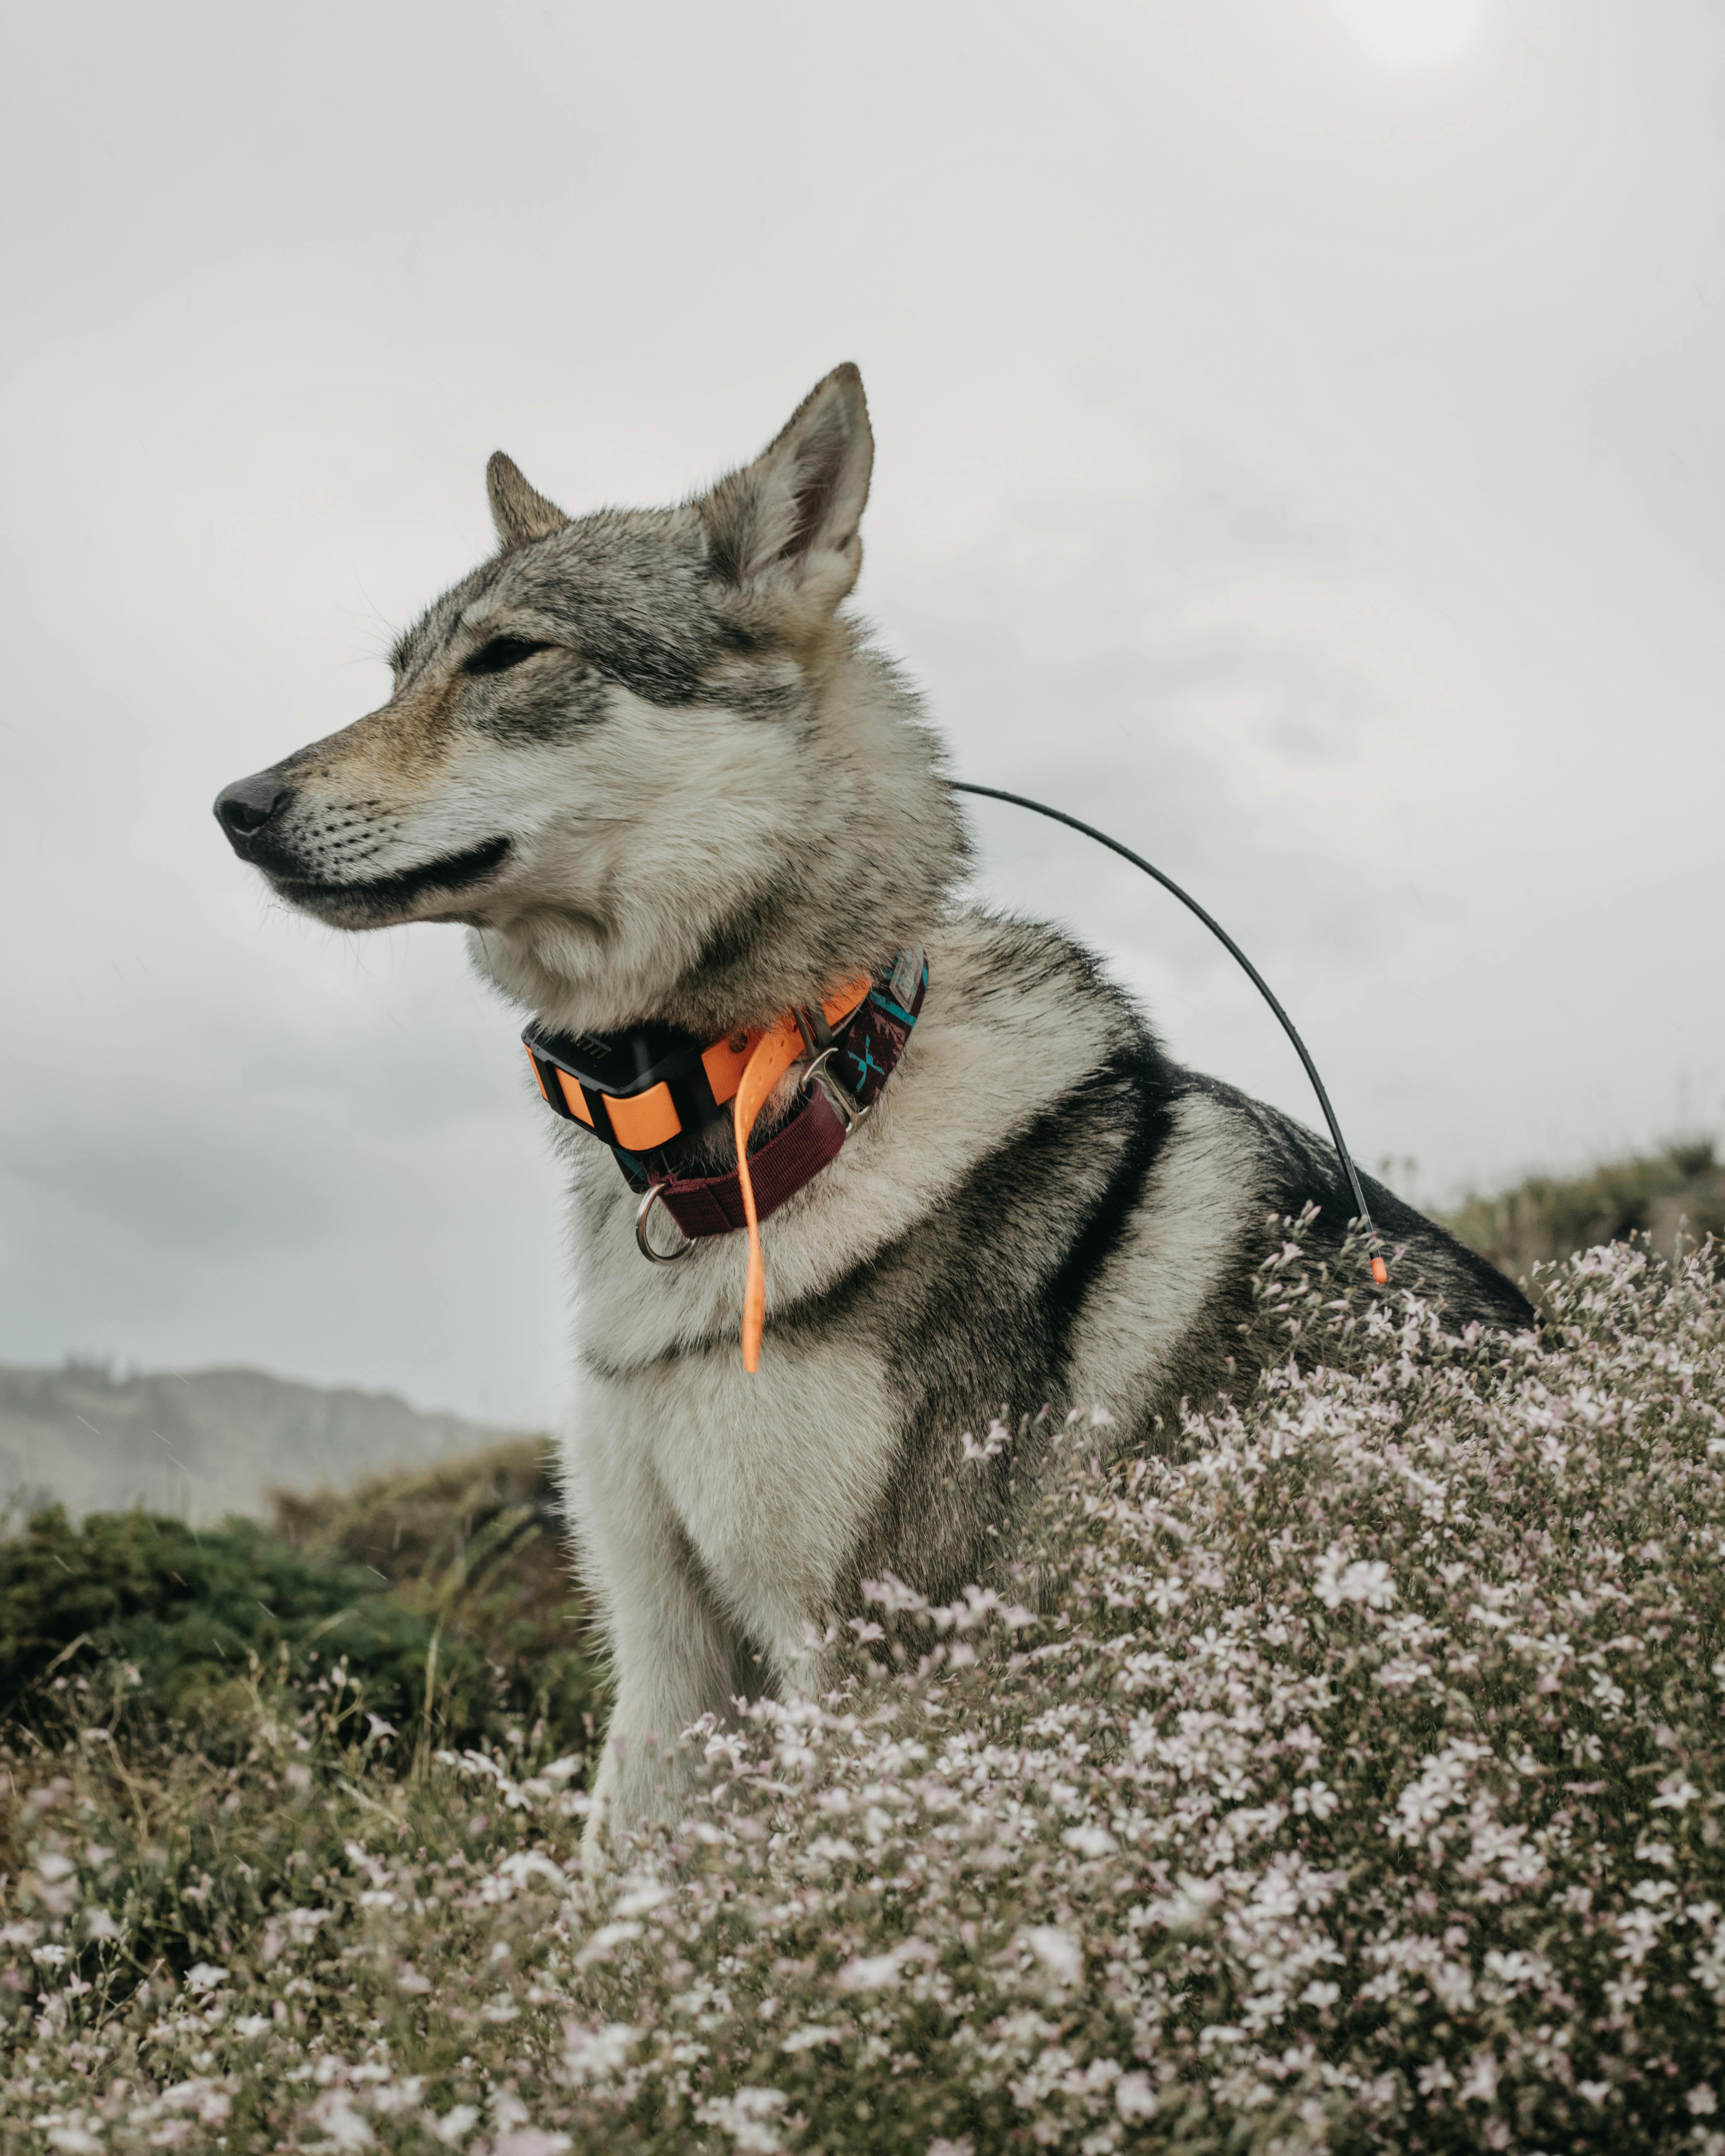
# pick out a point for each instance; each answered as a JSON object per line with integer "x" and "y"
{"x": 1018, "y": 1014}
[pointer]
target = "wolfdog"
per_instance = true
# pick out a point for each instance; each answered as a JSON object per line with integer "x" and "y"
{"x": 688, "y": 811}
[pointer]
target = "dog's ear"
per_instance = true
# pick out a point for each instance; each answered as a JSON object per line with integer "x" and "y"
{"x": 784, "y": 529}
{"x": 519, "y": 511}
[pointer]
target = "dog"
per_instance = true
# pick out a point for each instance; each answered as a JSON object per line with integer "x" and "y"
{"x": 666, "y": 780}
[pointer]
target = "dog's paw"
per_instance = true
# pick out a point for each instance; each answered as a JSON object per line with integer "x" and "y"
{"x": 596, "y": 1858}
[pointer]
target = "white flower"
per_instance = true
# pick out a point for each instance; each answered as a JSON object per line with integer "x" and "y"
{"x": 455, "y": 2124}
{"x": 747, "y": 2118}
{"x": 1089, "y": 1840}
{"x": 333, "y": 2115}
{"x": 1366, "y": 1581}
{"x": 593, "y": 2054}
{"x": 211, "y": 2103}
{"x": 995, "y": 1443}
{"x": 526, "y": 1864}
{"x": 638, "y": 1896}
{"x": 806, "y": 2040}
{"x": 1060, "y": 1953}
{"x": 1133, "y": 2096}
{"x": 868, "y": 1972}
{"x": 204, "y": 1976}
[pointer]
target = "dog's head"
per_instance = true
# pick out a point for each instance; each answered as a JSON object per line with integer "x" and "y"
{"x": 640, "y": 753}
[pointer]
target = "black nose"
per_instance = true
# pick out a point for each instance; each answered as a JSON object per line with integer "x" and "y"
{"x": 245, "y": 807}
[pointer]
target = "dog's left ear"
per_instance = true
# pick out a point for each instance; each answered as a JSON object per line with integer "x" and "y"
{"x": 784, "y": 529}
{"x": 519, "y": 511}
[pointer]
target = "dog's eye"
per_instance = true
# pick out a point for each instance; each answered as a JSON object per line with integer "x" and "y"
{"x": 502, "y": 653}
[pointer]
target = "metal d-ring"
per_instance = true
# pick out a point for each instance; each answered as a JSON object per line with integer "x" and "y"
{"x": 647, "y": 1250}
{"x": 849, "y": 1113}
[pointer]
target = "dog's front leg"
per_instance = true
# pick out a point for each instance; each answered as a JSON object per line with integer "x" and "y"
{"x": 673, "y": 1660}
{"x": 675, "y": 1656}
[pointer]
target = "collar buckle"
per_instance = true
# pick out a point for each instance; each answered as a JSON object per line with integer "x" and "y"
{"x": 811, "y": 1025}
{"x": 849, "y": 1113}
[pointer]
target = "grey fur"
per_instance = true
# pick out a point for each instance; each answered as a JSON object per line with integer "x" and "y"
{"x": 648, "y": 760}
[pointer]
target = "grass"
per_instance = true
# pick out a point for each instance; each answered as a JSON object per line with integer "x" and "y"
{"x": 476, "y": 1550}
{"x": 1355, "y": 1781}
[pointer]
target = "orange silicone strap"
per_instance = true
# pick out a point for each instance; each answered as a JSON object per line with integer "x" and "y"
{"x": 774, "y": 1053}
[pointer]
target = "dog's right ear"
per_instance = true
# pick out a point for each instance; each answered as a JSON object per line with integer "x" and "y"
{"x": 784, "y": 529}
{"x": 519, "y": 511}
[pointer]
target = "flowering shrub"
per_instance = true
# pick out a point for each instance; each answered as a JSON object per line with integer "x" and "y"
{"x": 1352, "y": 1782}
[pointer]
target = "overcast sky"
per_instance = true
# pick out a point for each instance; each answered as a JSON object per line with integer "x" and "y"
{"x": 1299, "y": 449}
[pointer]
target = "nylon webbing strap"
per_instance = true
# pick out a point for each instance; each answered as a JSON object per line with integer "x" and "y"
{"x": 865, "y": 1054}
{"x": 712, "y": 1204}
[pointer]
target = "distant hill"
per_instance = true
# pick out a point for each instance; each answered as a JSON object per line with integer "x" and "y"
{"x": 202, "y": 1443}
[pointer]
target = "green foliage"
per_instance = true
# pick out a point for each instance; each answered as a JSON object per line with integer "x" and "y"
{"x": 468, "y": 1625}
{"x": 191, "y": 1612}
{"x": 1549, "y": 1217}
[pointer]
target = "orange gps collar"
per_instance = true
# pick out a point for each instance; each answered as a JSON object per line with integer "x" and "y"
{"x": 638, "y": 1090}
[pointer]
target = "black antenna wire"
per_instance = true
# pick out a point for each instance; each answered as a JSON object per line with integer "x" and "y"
{"x": 1216, "y": 929}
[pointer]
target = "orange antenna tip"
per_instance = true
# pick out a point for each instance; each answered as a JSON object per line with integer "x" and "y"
{"x": 1380, "y": 1272}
